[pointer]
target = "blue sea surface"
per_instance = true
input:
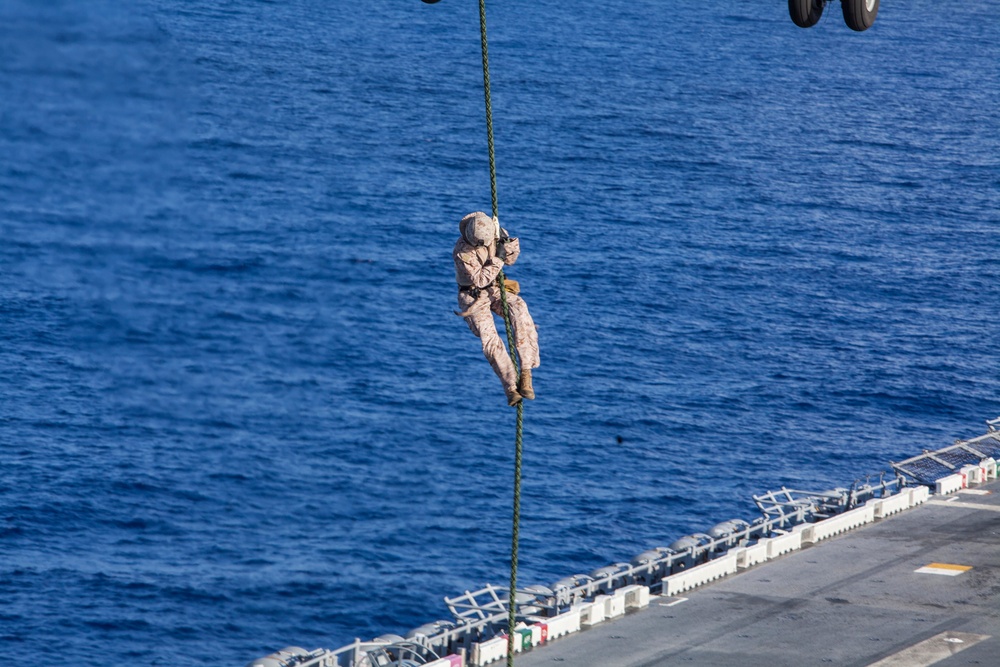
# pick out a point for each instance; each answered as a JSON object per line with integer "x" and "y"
{"x": 236, "y": 410}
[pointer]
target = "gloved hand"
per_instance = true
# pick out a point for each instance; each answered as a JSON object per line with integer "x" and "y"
{"x": 508, "y": 250}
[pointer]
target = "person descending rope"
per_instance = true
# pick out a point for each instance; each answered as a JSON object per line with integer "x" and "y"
{"x": 480, "y": 254}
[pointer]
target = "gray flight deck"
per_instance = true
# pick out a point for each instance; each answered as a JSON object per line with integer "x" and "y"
{"x": 853, "y": 600}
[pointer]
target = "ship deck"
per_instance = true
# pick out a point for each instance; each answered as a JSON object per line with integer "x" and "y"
{"x": 875, "y": 596}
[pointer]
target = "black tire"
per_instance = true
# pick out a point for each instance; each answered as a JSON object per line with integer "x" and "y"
{"x": 805, "y": 13}
{"x": 859, "y": 14}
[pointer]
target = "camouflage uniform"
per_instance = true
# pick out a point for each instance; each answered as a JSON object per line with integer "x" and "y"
{"x": 477, "y": 265}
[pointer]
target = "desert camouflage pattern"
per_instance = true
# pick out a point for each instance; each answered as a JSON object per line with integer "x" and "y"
{"x": 477, "y": 266}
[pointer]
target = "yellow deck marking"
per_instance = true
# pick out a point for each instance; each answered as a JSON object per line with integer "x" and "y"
{"x": 943, "y": 568}
{"x": 932, "y": 650}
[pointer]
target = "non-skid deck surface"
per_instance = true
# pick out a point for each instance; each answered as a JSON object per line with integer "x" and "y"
{"x": 918, "y": 588}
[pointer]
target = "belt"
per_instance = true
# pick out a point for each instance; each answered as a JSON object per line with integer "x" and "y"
{"x": 471, "y": 290}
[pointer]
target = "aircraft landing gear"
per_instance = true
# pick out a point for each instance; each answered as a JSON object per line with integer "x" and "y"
{"x": 805, "y": 13}
{"x": 858, "y": 14}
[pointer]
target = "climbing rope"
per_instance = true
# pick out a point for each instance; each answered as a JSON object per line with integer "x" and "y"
{"x": 512, "y": 601}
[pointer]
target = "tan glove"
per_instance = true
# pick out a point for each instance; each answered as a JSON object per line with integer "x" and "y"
{"x": 512, "y": 286}
{"x": 509, "y": 250}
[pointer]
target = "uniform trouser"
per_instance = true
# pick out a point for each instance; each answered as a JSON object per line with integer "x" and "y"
{"x": 480, "y": 320}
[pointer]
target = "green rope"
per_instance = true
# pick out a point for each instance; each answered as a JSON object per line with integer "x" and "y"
{"x": 512, "y": 602}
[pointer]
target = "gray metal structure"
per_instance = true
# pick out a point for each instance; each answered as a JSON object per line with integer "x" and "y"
{"x": 928, "y": 467}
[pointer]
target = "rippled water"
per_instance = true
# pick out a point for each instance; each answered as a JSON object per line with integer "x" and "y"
{"x": 237, "y": 411}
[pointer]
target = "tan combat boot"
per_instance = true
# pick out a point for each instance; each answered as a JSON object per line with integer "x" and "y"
{"x": 524, "y": 386}
{"x": 513, "y": 398}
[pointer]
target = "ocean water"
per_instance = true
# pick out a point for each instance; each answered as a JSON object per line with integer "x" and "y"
{"x": 236, "y": 410}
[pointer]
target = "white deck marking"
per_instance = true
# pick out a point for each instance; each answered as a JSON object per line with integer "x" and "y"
{"x": 971, "y": 506}
{"x": 946, "y": 569}
{"x": 976, "y": 492}
{"x": 671, "y": 604}
{"x": 932, "y": 650}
